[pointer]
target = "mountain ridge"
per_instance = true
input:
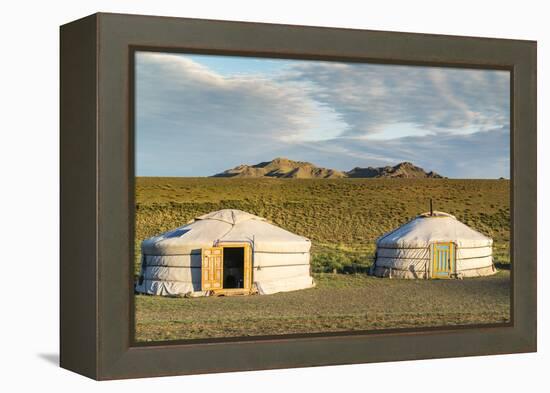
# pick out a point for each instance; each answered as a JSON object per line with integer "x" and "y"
{"x": 403, "y": 170}
{"x": 284, "y": 168}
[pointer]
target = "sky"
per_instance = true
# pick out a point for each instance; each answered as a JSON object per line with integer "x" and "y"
{"x": 197, "y": 115}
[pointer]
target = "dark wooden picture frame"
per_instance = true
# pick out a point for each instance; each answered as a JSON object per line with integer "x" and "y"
{"x": 97, "y": 171}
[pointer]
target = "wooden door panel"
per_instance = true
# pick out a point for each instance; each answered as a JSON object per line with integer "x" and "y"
{"x": 211, "y": 268}
{"x": 443, "y": 260}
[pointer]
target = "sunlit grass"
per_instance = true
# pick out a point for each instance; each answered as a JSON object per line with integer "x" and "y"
{"x": 341, "y": 216}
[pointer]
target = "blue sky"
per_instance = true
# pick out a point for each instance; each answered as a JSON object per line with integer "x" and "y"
{"x": 197, "y": 115}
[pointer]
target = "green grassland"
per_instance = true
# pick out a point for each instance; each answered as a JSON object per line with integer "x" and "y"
{"x": 343, "y": 218}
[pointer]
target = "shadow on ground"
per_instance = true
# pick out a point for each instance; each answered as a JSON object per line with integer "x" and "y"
{"x": 52, "y": 358}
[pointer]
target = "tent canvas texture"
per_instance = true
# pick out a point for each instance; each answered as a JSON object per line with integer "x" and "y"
{"x": 434, "y": 245}
{"x": 224, "y": 252}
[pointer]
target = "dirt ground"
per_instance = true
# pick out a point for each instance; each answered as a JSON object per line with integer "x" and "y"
{"x": 339, "y": 302}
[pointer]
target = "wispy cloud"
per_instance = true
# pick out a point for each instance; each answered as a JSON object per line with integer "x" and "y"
{"x": 477, "y": 155}
{"x": 372, "y": 97}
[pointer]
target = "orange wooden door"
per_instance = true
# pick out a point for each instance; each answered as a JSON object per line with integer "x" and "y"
{"x": 212, "y": 268}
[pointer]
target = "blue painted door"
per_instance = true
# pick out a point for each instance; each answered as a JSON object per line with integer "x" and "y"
{"x": 443, "y": 260}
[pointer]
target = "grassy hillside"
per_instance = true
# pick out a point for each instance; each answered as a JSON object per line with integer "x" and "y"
{"x": 342, "y": 217}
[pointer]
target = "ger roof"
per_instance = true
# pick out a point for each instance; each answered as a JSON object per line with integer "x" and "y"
{"x": 230, "y": 216}
{"x": 429, "y": 228}
{"x": 227, "y": 225}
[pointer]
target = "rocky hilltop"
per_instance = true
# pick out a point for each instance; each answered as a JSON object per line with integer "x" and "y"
{"x": 288, "y": 169}
{"x": 282, "y": 168}
{"x": 404, "y": 170}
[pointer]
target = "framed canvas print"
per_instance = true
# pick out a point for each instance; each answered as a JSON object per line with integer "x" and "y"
{"x": 242, "y": 196}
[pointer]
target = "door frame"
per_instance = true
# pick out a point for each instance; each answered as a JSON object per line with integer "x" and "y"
{"x": 247, "y": 285}
{"x": 452, "y": 262}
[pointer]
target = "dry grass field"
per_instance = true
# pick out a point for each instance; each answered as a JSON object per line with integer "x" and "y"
{"x": 340, "y": 302}
{"x": 343, "y": 218}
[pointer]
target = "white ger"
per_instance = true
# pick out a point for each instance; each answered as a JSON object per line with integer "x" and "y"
{"x": 434, "y": 245}
{"x": 224, "y": 252}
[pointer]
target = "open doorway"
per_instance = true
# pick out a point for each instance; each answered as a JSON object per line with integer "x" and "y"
{"x": 226, "y": 269}
{"x": 233, "y": 267}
